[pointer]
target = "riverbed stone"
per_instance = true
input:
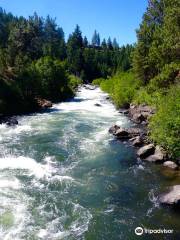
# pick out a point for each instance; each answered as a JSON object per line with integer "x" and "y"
{"x": 9, "y": 121}
{"x": 171, "y": 165}
{"x": 146, "y": 151}
{"x": 121, "y": 133}
{"x": 44, "y": 103}
{"x": 172, "y": 197}
{"x": 97, "y": 105}
{"x": 113, "y": 129}
{"x": 137, "y": 141}
{"x": 157, "y": 157}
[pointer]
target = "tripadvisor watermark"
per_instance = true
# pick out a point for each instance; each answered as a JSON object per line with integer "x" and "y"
{"x": 139, "y": 231}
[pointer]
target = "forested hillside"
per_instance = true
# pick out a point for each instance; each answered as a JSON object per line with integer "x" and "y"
{"x": 36, "y": 62}
{"x": 155, "y": 75}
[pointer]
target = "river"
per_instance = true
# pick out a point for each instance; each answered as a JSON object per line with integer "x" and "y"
{"x": 63, "y": 176}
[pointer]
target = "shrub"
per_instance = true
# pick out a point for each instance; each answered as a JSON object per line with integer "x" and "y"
{"x": 97, "y": 81}
{"x": 165, "y": 124}
{"x": 53, "y": 77}
{"x": 74, "y": 81}
{"x": 121, "y": 87}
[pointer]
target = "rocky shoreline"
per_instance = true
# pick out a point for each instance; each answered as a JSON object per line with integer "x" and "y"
{"x": 147, "y": 150}
{"x": 11, "y": 120}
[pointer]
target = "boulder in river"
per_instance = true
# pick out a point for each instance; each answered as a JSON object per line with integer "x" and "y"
{"x": 121, "y": 133}
{"x": 10, "y": 121}
{"x": 157, "y": 157}
{"x": 125, "y": 133}
{"x": 97, "y": 105}
{"x": 171, "y": 165}
{"x": 172, "y": 197}
{"x": 146, "y": 151}
{"x": 137, "y": 141}
{"x": 113, "y": 129}
{"x": 89, "y": 87}
{"x": 43, "y": 103}
{"x": 124, "y": 111}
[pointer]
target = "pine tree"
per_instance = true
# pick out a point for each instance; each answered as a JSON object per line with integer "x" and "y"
{"x": 115, "y": 44}
{"x": 109, "y": 44}
{"x": 96, "y": 39}
{"x": 75, "y": 50}
{"x": 104, "y": 44}
{"x": 85, "y": 42}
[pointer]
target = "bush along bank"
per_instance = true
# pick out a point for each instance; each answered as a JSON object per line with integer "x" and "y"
{"x": 147, "y": 150}
{"x": 156, "y": 117}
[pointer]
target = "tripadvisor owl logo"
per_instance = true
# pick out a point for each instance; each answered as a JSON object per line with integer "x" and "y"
{"x": 139, "y": 231}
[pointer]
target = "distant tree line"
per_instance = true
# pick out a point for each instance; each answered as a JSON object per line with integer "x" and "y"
{"x": 35, "y": 60}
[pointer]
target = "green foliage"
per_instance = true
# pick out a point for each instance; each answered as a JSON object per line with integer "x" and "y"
{"x": 168, "y": 76}
{"x": 53, "y": 78}
{"x": 165, "y": 124}
{"x": 121, "y": 87}
{"x": 97, "y": 81}
{"x": 158, "y": 39}
{"x": 74, "y": 81}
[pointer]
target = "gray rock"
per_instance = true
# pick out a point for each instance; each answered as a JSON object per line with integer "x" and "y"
{"x": 138, "y": 118}
{"x": 12, "y": 122}
{"x": 172, "y": 197}
{"x": 121, "y": 133}
{"x": 158, "y": 156}
{"x": 97, "y": 105}
{"x": 124, "y": 111}
{"x": 125, "y": 133}
{"x": 137, "y": 142}
{"x": 89, "y": 87}
{"x": 113, "y": 129}
{"x": 140, "y": 113}
{"x": 146, "y": 151}
{"x": 9, "y": 121}
{"x": 43, "y": 103}
{"x": 170, "y": 164}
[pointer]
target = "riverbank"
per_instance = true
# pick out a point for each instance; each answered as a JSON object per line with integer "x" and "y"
{"x": 146, "y": 149}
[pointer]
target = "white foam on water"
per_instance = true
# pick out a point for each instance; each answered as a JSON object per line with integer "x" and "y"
{"x": 6, "y": 130}
{"x": 86, "y": 100}
{"x": 15, "y": 200}
{"x": 26, "y": 163}
{"x": 15, "y": 203}
{"x": 61, "y": 178}
{"x": 6, "y": 183}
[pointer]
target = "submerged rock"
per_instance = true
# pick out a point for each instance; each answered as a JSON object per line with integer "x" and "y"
{"x": 90, "y": 87}
{"x": 124, "y": 111}
{"x": 172, "y": 197}
{"x": 170, "y": 164}
{"x": 97, "y": 105}
{"x": 10, "y": 121}
{"x": 146, "y": 151}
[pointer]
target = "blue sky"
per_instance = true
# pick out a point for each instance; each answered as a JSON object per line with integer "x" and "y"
{"x": 114, "y": 18}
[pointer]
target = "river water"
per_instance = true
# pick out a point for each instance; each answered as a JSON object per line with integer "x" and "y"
{"x": 63, "y": 176}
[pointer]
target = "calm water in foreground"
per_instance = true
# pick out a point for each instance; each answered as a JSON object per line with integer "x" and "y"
{"x": 63, "y": 176}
